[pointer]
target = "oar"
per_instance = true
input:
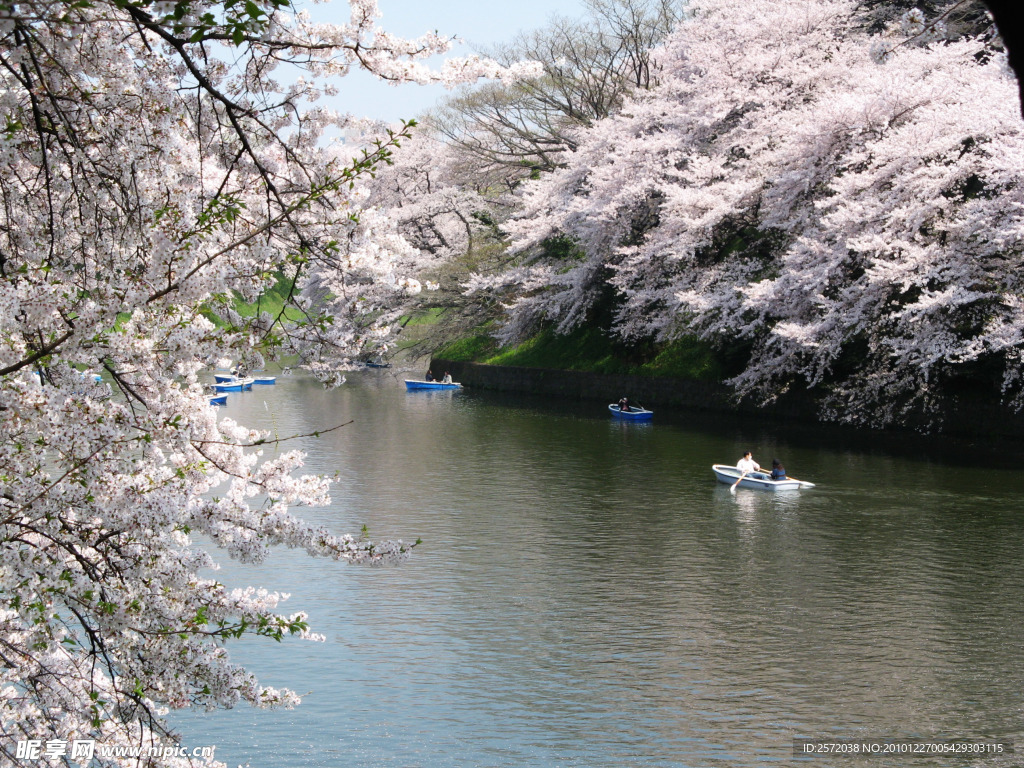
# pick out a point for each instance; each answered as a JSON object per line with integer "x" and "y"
{"x": 732, "y": 488}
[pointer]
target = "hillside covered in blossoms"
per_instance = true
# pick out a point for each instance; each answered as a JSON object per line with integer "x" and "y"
{"x": 827, "y": 193}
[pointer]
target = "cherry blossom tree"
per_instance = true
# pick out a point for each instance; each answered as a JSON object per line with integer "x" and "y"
{"x": 448, "y": 213}
{"x": 430, "y": 197}
{"x": 838, "y": 204}
{"x": 160, "y": 160}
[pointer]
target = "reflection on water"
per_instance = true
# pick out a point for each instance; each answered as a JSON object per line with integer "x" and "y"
{"x": 588, "y": 595}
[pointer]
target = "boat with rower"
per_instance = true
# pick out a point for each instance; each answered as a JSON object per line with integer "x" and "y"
{"x": 757, "y": 480}
{"x": 411, "y": 384}
{"x": 632, "y": 413}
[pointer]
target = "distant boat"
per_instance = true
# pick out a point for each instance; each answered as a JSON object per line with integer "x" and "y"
{"x": 759, "y": 480}
{"x": 228, "y": 378}
{"x": 416, "y": 384}
{"x": 237, "y": 385}
{"x": 631, "y": 414}
{"x": 377, "y": 364}
{"x": 219, "y": 400}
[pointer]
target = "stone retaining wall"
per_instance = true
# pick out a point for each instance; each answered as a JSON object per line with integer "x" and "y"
{"x": 583, "y": 385}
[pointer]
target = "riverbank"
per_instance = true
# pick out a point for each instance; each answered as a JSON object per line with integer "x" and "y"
{"x": 970, "y": 419}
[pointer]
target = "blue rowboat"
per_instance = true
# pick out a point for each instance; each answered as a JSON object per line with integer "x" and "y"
{"x": 372, "y": 364}
{"x": 237, "y": 385}
{"x": 631, "y": 414}
{"x": 759, "y": 480}
{"x": 220, "y": 400}
{"x": 264, "y": 380}
{"x": 411, "y": 384}
{"x": 224, "y": 378}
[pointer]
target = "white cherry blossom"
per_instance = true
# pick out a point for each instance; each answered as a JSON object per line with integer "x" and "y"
{"x": 154, "y": 170}
{"x": 852, "y": 226}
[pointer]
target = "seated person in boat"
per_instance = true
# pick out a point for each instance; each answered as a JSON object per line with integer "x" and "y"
{"x": 746, "y": 465}
{"x": 430, "y": 375}
{"x": 624, "y": 405}
{"x": 447, "y": 378}
{"x": 778, "y": 471}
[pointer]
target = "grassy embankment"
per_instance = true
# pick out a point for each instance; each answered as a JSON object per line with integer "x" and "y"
{"x": 590, "y": 349}
{"x": 585, "y": 349}
{"x": 272, "y": 301}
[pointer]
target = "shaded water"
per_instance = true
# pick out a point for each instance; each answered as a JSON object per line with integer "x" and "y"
{"x": 587, "y": 595}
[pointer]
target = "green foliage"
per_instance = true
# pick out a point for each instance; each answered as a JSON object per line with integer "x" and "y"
{"x": 485, "y": 218}
{"x": 470, "y": 349}
{"x": 429, "y": 316}
{"x": 586, "y": 349}
{"x": 562, "y": 248}
{"x": 233, "y": 20}
{"x": 686, "y": 358}
{"x": 273, "y": 300}
{"x": 590, "y": 349}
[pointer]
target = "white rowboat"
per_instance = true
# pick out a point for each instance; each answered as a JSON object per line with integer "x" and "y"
{"x": 760, "y": 480}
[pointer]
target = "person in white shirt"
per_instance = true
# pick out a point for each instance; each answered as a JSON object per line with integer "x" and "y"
{"x": 747, "y": 464}
{"x": 447, "y": 378}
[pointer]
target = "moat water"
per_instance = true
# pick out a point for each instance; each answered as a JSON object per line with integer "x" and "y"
{"x": 587, "y": 595}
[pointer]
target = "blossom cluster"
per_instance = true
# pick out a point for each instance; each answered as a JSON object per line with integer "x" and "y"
{"x": 154, "y": 172}
{"x": 848, "y": 225}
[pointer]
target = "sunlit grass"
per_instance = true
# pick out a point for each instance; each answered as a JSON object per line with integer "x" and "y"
{"x": 590, "y": 349}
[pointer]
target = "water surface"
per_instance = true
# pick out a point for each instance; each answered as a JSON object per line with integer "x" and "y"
{"x": 587, "y": 595}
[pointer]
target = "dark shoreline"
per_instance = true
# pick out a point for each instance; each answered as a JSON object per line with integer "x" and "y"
{"x": 971, "y": 420}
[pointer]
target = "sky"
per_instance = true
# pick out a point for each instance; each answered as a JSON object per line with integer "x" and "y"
{"x": 480, "y": 23}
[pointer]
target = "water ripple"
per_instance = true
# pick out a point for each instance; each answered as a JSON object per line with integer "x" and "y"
{"x": 587, "y": 595}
